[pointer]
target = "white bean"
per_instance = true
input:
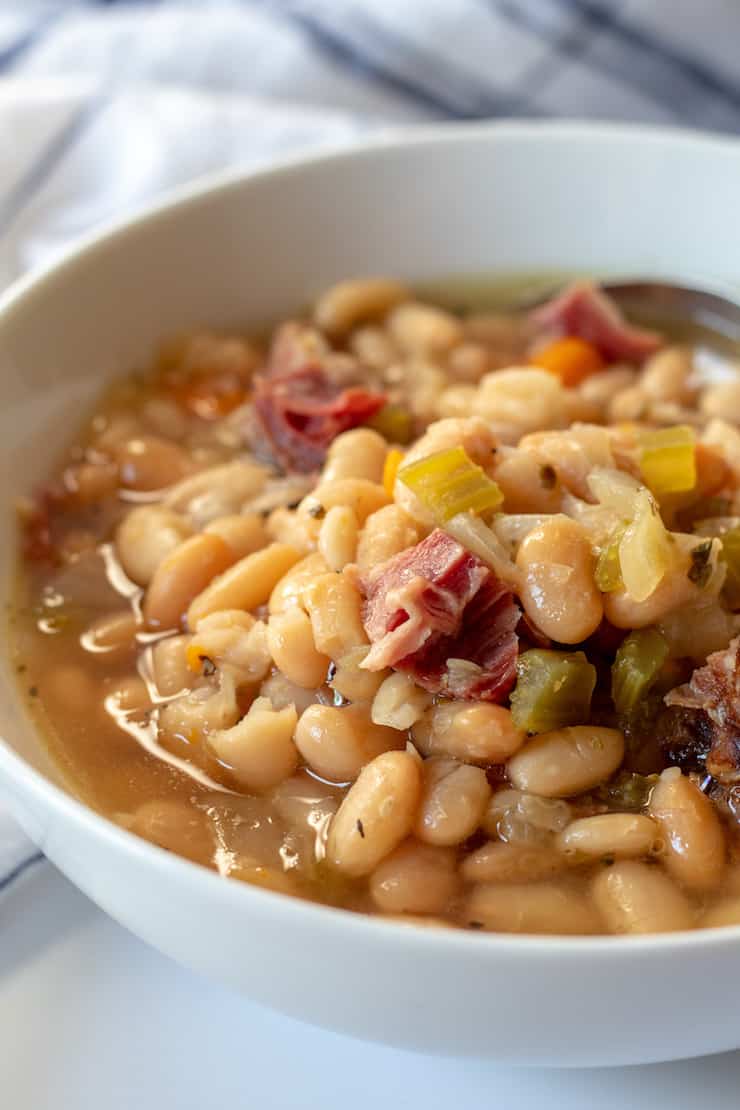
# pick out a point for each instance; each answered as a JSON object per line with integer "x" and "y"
{"x": 145, "y": 536}
{"x": 415, "y": 878}
{"x": 359, "y": 453}
{"x": 291, "y": 644}
{"x": 399, "y": 702}
{"x": 558, "y": 592}
{"x": 354, "y": 301}
{"x": 511, "y": 863}
{"x": 424, "y": 330}
{"x": 289, "y": 589}
{"x": 694, "y": 841}
{"x": 351, "y": 680}
{"x": 338, "y": 537}
{"x": 475, "y": 733}
{"x": 617, "y": 835}
{"x": 453, "y": 800}
{"x": 724, "y": 912}
{"x": 666, "y": 375}
{"x": 170, "y": 668}
{"x": 640, "y": 898}
{"x": 259, "y": 750}
{"x": 537, "y": 907}
{"x": 246, "y": 584}
{"x": 242, "y": 532}
{"x": 567, "y": 761}
{"x": 334, "y": 606}
{"x": 338, "y": 743}
{"x": 722, "y": 400}
{"x": 182, "y": 576}
{"x": 376, "y": 814}
{"x": 218, "y": 491}
{"x": 386, "y": 533}
{"x": 358, "y": 494}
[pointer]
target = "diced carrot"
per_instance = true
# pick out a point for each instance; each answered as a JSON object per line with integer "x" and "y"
{"x": 393, "y": 460}
{"x": 712, "y": 472}
{"x": 210, "y": 397}
{"x": 573, "y": 359}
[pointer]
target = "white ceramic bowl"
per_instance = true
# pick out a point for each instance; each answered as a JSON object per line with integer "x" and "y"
{"x": 441, "y": 202}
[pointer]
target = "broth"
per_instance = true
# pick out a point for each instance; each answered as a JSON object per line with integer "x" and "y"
{"x": 228, "y": 541}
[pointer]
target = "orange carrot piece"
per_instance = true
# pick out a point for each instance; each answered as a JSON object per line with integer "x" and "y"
{"x": 393, "y": 460}
{"x": 573, "y": 359}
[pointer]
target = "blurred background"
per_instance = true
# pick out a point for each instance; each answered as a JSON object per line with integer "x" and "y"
{"x": 104, "y": 105}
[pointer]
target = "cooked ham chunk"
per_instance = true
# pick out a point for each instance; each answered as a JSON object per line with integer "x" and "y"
{"x": 301, "y": 413}
{"x": 438, "y": 613}
{"x": 582, "y": 309}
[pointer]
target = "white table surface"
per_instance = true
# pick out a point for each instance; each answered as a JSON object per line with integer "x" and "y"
{"x": 93, "y": 1019}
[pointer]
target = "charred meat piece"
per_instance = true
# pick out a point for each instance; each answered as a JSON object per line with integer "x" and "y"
{"x": 711, "y": 702}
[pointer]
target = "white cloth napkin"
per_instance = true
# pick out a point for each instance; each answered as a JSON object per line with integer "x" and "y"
{"x": 103, "y": 106}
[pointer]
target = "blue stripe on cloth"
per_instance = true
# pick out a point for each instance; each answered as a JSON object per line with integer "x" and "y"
{"x": 428, "y": 78}
{"x": 48, "y": 159}
{"x": 617, "y": 27}
{"x": 570, "y": 41}
{"x": 27, "y": 38}
{"x": 337, "y": 49}
{"x": 474, "y": 99}
{"x": 20, "y": 869}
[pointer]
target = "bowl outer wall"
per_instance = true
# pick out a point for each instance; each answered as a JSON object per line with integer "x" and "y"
{"x": 444, "y": 202}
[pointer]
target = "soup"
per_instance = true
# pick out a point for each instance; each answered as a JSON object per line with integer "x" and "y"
{"x": 419, "y": 613}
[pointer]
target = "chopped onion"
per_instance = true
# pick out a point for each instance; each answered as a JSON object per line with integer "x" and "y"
{"x": 646, "y": 551}
{"x": 512, "y": 528}
{"x": 471, "y": 532}
{"x": 615, "y": 489}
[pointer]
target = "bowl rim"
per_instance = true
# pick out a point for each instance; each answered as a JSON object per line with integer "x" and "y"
{"x": 365, "y": 928}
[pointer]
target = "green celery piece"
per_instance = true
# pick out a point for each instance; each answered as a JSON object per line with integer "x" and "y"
{"x": 449, "y": 483}
{"x": 636, "y": 667}
{"x": 553, "y": 689}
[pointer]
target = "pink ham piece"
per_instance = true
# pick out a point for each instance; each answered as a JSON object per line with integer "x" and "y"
{"x": 300, "y": 413}
{"x": 438, "y": 613}
{"x": 584, "y": 310}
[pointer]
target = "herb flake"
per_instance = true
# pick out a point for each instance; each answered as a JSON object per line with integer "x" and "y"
{"x": 548, "y": 476}
{"x": 700, "y": 569}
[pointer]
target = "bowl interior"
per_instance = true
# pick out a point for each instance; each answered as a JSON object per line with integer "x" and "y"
{"x": 442, "y": 204}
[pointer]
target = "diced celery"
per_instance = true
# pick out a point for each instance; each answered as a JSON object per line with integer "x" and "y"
{"x": 553, "y": 689}
{"x": 668, "y": 459}
{"x": 449, "y": 482}
{"x": 730, "y": 556}
{"x": 394, "y": 423}
{"x": 628, "y": 790}
{"x": 636, "y": 667}
{"x": 608, "y": 574}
